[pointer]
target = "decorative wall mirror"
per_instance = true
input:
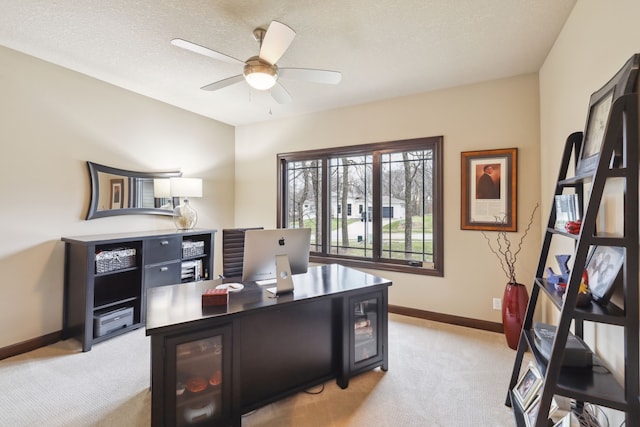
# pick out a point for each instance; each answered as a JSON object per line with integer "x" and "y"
{"x": 122, "y": 192}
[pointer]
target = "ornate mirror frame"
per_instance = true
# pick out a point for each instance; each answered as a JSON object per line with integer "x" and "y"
{"x": 122, "y": 192}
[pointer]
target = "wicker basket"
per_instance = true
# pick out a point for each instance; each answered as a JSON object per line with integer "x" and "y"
{"x": 192, "y": 248}
{"x": 115, "y": 259}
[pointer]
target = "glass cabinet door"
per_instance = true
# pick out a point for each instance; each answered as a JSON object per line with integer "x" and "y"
{"x": 201, "y": 381}
{"x": 366, "y": 336}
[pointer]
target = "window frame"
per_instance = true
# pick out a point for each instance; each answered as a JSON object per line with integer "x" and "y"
{"x": 376, "y": 150}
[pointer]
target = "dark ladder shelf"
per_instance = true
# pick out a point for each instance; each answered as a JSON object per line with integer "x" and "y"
{"x": 595, "y": 384}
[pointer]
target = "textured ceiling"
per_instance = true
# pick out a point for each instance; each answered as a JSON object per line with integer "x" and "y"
{"x": 384, "y": 49}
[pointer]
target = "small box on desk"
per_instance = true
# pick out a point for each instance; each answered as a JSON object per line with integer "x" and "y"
{"x": 215, "y": 297}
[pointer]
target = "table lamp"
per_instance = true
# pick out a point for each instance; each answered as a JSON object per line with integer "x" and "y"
{"x": 162, "y": 192}
{"x": 184, "y": 216}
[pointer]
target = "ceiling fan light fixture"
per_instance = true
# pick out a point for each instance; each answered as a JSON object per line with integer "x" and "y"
{"x": 260, "y": 75}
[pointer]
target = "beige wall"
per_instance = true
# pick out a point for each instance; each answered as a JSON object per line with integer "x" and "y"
{"x": 52, "y": 121}
{"x": 596, "y": 41}
{"x": 496, "y": 114}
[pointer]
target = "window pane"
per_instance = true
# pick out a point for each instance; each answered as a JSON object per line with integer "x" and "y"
{"x": 304, "y": 203}
{"x": 334, "y": 192}
{"x": 407, "y": 205}
{"x": 350, "y": 185}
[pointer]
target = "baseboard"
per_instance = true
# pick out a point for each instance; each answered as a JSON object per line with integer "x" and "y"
{"x": 447, "y": 318}
{"x": 54, "y": 337}
{"x": 30, "y": 345}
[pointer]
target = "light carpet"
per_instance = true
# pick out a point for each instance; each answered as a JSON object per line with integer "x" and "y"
{"x": 439, "y": 375}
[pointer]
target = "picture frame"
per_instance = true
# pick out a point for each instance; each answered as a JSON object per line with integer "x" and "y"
{"x": 600, "y": 104}
{"x": 526, "y": 389}
{"x": 603, "y": 267}
{"x": 117, "y": 193}
{"x": 569, "y": 420}
{"x": 598, "y": 117}
{"x": 489, "y": 190}
{"x": 531, "y": 413}
{"x": 567, "y": 209}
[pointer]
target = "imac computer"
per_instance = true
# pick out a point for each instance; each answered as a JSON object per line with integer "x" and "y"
{"x": 272, "y": 256}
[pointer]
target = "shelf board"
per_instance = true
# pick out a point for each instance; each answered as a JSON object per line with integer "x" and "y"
{"x": 364, "y": 342}
{"x": 576, "y": 180}
{"x": 600, "y": 239}
{"x": 113, "y": 303}
{"x": 594, "y": 384}
{"x": 116, "y": 333}
{"x": 210, "y": 393}
{"x": 595, "y": 312}
{"x": 562, "y": 233}
{"x": 192, "y": 257}
{"x": 119, "y": 271}
{"x": 613, "y": 172}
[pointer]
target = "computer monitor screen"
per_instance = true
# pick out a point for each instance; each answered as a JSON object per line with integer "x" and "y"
{"x": 262, "y": 246}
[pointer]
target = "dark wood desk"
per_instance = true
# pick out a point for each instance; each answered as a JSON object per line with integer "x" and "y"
{"x": 259, "y": 349}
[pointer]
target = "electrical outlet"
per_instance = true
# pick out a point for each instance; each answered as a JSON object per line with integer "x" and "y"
{"x": 497, "y": 304}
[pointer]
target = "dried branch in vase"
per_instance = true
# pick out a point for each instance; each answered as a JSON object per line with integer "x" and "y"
{"x": 506, "y": 251}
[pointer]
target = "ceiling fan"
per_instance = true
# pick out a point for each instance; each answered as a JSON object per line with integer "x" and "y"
{"x": 261, "y": 72}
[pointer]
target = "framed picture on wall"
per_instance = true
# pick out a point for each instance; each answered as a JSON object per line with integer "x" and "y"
{"x": 117, "y": 186}
{"x": 488, "y": 190}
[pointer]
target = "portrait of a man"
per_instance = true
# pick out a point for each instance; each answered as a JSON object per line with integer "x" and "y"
{"x": 488, "y": 184}
{"x": 488, "y": 192}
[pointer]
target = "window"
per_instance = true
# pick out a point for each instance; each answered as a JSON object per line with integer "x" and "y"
{"x": 397, "y": 186}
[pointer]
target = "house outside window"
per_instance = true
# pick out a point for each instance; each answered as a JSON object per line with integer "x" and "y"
{"x": 397, "y": 186}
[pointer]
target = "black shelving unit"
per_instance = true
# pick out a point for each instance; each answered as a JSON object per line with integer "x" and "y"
{"x": 618, "y": 160}
{"x": 111, "y": 293}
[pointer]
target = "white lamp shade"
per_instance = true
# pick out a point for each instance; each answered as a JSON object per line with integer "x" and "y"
{"x": 261, "y": 81}
{"x": 259, "y": 74}
{"x": 186, "y": 187}
{"x": 161, "y": 188}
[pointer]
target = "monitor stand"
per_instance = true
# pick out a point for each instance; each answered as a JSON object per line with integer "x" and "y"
{"x": 284, "y": 281}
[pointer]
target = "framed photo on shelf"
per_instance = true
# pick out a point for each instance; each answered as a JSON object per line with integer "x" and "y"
{"x": 602, "y": 269}
{"x": 567, "y": 209}
{"x": 531, "y": 413}
{"x": 568, "y": 420}
{"x": 488, "y": 193}
{"x": 594, "y": 135}
{"x": 527, "y": 386}
{"x": 600, "y": 104}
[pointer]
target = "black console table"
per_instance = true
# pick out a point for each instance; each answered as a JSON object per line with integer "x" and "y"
{"x": 211, "y": 365}
{"x": 106, "y": 277}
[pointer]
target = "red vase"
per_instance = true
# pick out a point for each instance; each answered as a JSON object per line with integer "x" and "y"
{"x": 514, "y": 307}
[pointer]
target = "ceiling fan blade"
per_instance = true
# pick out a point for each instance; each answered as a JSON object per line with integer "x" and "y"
{"x": 193, "y": 47}
{"x": 311, "y": 75}
{"x": 276, "y": 42}
{"x": 280, "y": 94}
{"x": 223, "y": 83}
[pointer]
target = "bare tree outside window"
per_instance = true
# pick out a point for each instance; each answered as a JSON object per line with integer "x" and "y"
{"x": 382, "y": 203}
{"x": 304, "y": 198}
{"x": 407, "y": 176}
